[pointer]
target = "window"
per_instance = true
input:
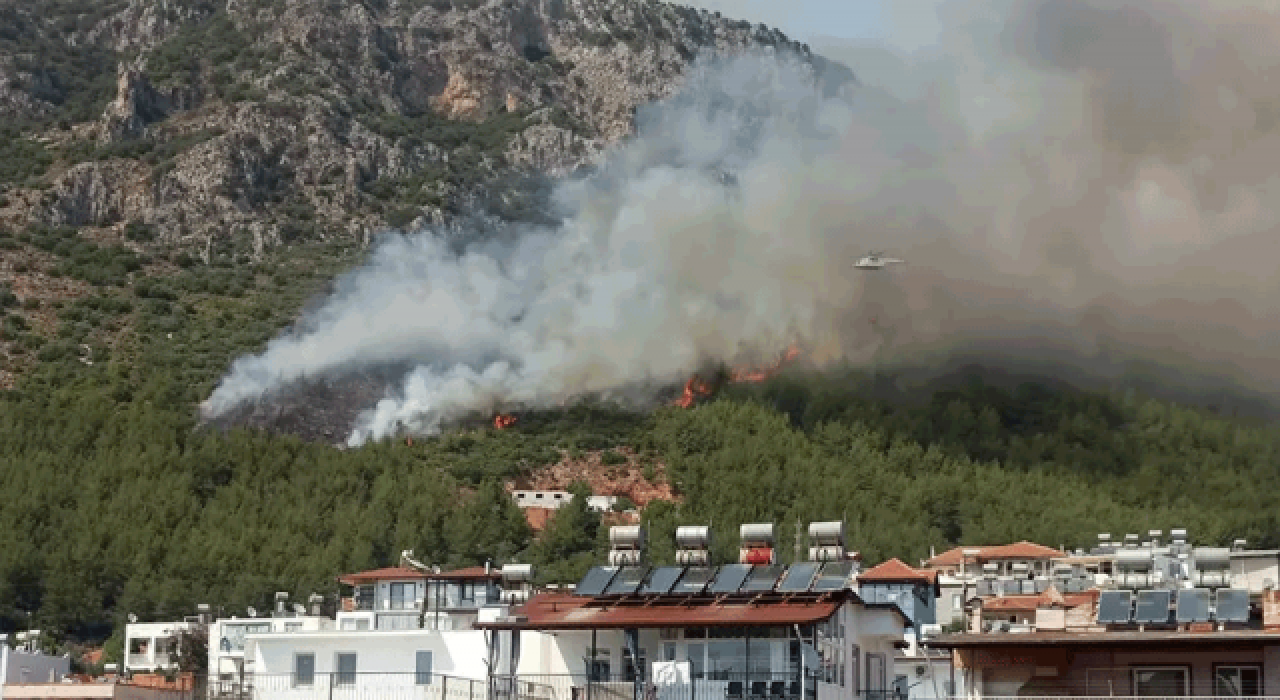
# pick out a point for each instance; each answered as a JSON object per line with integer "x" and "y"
{"x": 293, "y": 627}
{"x": 875, "y": 673}
{"x": 364, "y": 597}
{"x": 402, "y": 596}
{"x": 955, "y": 601}
{"x": 345, "y": 664}
{"x": 1161, "y": 680}
{"x": 854, "y": 677}
{"x": 304, "y": 669}
{"x": 422, "y": 664}
{"x": 1237, "y": 681}
{"x": 468, "y": 592}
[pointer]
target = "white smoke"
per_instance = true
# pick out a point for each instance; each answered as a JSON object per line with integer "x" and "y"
{"x": 1092, "y": 177}
{"x": 661, "y": 268}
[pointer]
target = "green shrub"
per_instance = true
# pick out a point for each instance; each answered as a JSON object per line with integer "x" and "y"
{"x": 612, "y": 458}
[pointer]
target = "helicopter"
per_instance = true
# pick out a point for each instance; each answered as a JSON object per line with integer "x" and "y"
{"x": 876, "y": 261}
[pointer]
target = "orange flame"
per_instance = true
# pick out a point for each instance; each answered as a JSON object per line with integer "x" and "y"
{"x": 502, "y": 421}
{"x": 698, "y": 387}
{"x": 693, "y": 389}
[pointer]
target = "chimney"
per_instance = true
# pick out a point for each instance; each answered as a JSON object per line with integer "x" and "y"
{"x": 281, "y": 598}
{"x": 1271, "y": 609}
{"x": 316, "y": 601}
{"x": 488, "y": 567}
{"x": 202, "y": 610}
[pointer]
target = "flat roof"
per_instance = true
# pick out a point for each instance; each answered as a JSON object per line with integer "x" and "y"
{"x": 1126, "y": 638}
{"x": 392, "y": 573}
{"x": 560, "y": 611}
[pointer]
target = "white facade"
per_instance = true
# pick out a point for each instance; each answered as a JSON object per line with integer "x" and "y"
{"x": 19, "y": 666}
{"x": 389, "y": 663}
{"x": 1255, "y": 569}
{"x": 227, "y": 641}
{"x": 555, "y": 499}
{"x": 406, "y": 604}
{"x": 149, "y": 646}
{"x": 856, "y": 649}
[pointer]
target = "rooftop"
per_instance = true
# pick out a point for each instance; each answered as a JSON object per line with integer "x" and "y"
{"x": 1017, "y": 550}
{"x": 560, "y": 611}
{"x": 1164, "y": 638}
{"x": 1028, "y": 603}
{"x": 392, "y": 573}
{"x": 894, "y": 571}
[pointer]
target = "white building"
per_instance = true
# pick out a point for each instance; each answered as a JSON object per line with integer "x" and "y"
{"x": 407, "y": 598}
{"x": 27, "y": 664}
{"x": 228, "y": 664}
{"x": 555, "y": 499}
{"x": 150, "y": 646}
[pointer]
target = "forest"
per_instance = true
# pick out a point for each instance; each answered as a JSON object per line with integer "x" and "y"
{"x": 114, "y": 500}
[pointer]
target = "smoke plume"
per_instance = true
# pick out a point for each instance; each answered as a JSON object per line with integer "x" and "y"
{"x": 1087, "y": 182}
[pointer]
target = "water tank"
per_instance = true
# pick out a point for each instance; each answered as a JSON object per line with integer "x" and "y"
{"x": 693, "y": 537}
{"x": 1212, "y": 557}
{"x": 626, "y": 536}
{"x": 827, "y": 533}
{"x": 517, "y": 572}
{"x": 756, "y": 555}
{"x": 761, "y": 533}
{"x": 1133, "y": 559}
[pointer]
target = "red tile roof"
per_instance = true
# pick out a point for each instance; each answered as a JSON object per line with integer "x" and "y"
{"x": 1028, "y": 603}
{"x": 896, "y": 570}
{"x": 1017, "y": 550}
{"x": 563, "y": 611}
{"x": 391, "y": 573}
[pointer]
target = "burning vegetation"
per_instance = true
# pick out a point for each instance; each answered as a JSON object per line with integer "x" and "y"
{"x": 697, "y": 387}
{"x": 502, "y": 421}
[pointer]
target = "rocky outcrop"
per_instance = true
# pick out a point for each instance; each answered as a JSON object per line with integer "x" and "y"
{"x": 270, "y": 120}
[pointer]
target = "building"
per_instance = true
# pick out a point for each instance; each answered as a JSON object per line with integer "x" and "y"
{"x": 1021, "y": 567}
{"x": 416, "y": 597}
{"x": 1169, "y": 619}
{"x": 228, "y": 664}
{"x": 915, "y": 592}
{"x": 151, "y": 647}
{"x": 28, "y": 664}
{"x": 554, "y": 499}
{"x": 752, "y": 628}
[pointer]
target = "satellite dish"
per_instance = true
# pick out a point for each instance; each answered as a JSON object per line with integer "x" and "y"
{"x": 300, "y": 608}
{"x": 133, "y": 619}
{"x": 253, "y": 612}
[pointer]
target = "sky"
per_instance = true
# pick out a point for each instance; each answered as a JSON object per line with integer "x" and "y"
{"x": 913, "y": 24}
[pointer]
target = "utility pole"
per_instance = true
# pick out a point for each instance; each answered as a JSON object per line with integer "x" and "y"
{"x": 798, "y": 557}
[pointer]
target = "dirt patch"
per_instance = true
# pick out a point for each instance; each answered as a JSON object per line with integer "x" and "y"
{"x": 627, "y": 479}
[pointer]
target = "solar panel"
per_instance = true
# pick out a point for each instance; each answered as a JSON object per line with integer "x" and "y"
{"x": 596, "y": 580}
{"x": 762, "y": 579}
{"x": 627, "y": 581}
{"x": 694, "y": 580}
{"x": 661, "y": 580}
{"x": 1193, "y": 605}
{"x": 834, "y": 576}
{"x": 1233, "y": 605}
{"x": 1113, "y": 607}
{"x": 1153, "y": 607}
{"x": 729, "y": 578}
{"x": 798, "y": 578}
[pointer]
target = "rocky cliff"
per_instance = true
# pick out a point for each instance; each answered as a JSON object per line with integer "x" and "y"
{"x": 240, "y": 125}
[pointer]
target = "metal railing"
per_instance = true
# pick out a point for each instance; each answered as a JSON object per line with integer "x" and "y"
{"x": 698, "y": 686}
{"x": 343, "y": 686}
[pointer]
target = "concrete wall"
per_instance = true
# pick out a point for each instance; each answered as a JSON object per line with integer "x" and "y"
{"x": 227, "y": 639}
{"x": 1254, "y": 571}
{"x": 90, "y": 691}
{"x": 158, "y": 636}
{"x": 459, "y": 653}
{"x": 25, "y": 667}
{"x": 1050, "y": 671}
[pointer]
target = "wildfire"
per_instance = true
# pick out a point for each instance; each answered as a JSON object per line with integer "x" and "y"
{"x": 697, "y": 387}
{"x": 502, "y": 421}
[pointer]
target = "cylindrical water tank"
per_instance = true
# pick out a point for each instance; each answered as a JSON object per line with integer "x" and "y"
{"x": 693, "y": 537}
{"x": 626, "y": 536}
{"x": 756, "y": 532}
{"x": 828, "y": 533}
{"x": 756, "y": 555}
{"x": 517, "y": 572}
{"x": 1212, "y": 557}
{"x": 1133, "y": 559}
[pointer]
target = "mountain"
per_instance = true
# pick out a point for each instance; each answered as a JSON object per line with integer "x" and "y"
{"x": 248, "y": 124}
{"x": 181, "y": 178}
